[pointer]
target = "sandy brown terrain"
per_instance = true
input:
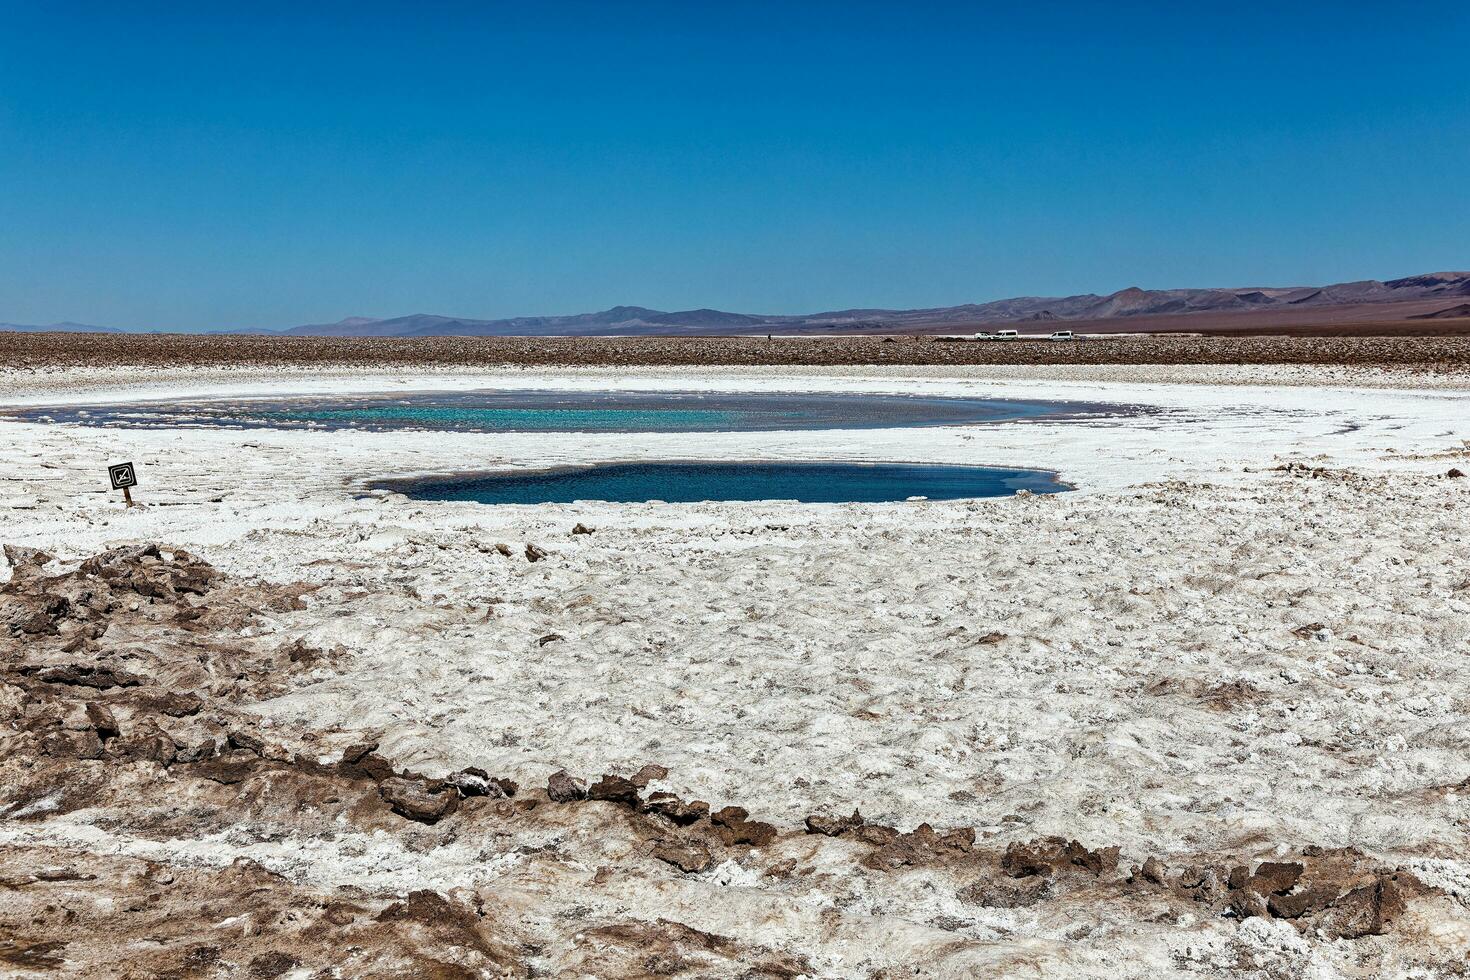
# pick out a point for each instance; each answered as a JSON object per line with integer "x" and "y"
{"x": 159, "y": 351}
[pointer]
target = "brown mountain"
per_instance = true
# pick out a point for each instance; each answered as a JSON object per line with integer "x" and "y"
{"x": 1452, "y": 313}
{"x": 1133, "y": 302}
{"x": 1133, "y": 308}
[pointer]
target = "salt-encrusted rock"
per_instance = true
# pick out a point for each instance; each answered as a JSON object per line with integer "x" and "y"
{"x": 145, "y": 743}
{"x": 1006, "y": 894}
{"x": 19, "y": 556}
{"x": 272, "y": 964}
{"x": 65, "y": 744}
{"x": 418, "y": 799}
{"x": 205, "y": 748}
{"x": 833, "y": 826}
{"x": 1454, "y": 473}
{"x": 565, "y": 788}
{"x": 687, "y": 856}
{"x": 648, "y": 774}
{"x": 533, "y": 553}
{"x": 249, "y": 741}
{"x": 1154, "y": 871}
{"x": 582, "y": 529}
{"x": 473, "y": 781}
{"x": 1048, "y": 855}
{"x": 922, "y": 846}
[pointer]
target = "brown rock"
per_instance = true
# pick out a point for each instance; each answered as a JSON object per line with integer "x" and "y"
{"x": 734, "y": 826}
{"x": 371, "y": 766}
{"x": 550, "y": 638}
{"x": 88, "y": 675}
{"x": 582, "y": 529}
{"x": 1453, "y": 474}
{"x": 1365, "y": 911}
{"x": 876, "y": 834}
{"x": 533, "y": 553}
{"x": 1275, "y": 877}
{"x": 1247, "y": 903}
{"x": 565, "y": 788}
{"x": 354, "y": 753}
{"x": 687, "y": 856}
{"x": 959, "y": 839}
{"x": 669, "y": 805}
{"x": 419, "y": 799}
{"x": 250, "y": 742}
{"x": 1313, "y": 898}
{"x": 103, "y": 720}
{"x": 229, "y": 769}
{"x": 178, "y": 704}
{"x": 614, "y": 789}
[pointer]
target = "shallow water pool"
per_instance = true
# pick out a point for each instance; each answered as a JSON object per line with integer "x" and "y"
{"x": 683, "y": 482}
{"x": 563, "y": 411}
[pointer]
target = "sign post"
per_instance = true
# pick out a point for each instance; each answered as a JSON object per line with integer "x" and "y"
{"x": 124, "y": 479}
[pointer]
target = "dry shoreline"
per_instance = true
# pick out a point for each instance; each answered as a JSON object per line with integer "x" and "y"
{"x": 1241, "y": 646}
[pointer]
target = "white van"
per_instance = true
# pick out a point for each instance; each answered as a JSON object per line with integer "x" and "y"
{"x": 1007, "y": 334}
{"x": 1062, "y": 335}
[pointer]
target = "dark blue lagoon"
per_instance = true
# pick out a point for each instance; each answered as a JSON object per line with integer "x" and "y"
{"x": 567, "y": 411}
{"x": 677, "y": 482}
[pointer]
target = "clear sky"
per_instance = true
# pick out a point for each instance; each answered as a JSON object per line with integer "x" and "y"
{"x": 259, "y": 164}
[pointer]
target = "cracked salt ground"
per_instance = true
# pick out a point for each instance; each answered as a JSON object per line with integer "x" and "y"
{"x": 1198, "y": 654}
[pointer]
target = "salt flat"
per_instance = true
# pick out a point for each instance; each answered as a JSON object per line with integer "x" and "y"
{"x": 1244, "y": 635}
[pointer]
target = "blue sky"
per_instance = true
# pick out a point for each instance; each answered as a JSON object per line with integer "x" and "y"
{"x": 261, "y": 164}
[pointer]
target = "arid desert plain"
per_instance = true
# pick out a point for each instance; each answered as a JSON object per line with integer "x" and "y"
{"x": 1203, "y": 715}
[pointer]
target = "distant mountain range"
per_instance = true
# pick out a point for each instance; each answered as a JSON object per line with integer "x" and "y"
{"x": 59, "y": 328}
{"x": 1125, "y": 303}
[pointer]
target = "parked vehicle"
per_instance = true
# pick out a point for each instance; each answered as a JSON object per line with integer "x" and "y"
{"x": 983, "y": 335}
{"x": 1007, "y": 334}
{"x": 1062, "y": 335}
